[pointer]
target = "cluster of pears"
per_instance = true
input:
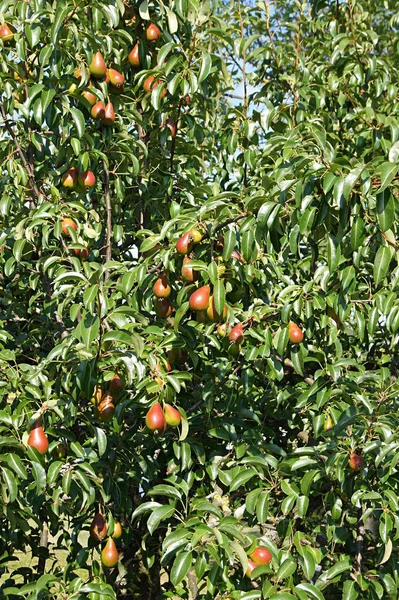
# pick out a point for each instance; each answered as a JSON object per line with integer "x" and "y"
{"x": 260, "y": 556}
{"x": 79, "y": 181}
{"x": 37, "y": 438}
{"x": 66, "y": 224}
{"x": 158, "y": 419}
{"x": 152, "y": 34}
{"x": 98, "y": 532}
{"x": 104, "y": 402}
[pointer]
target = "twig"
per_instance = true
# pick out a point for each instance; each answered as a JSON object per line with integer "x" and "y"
{"x": 225, "y": 223}
{"x": 394, "y": 244}
{"x": 108, "y": 208}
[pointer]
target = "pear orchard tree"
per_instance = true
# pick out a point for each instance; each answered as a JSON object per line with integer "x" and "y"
{"x": 199, "y": 310}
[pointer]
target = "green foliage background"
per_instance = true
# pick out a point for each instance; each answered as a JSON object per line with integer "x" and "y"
{"x": 287, "y": 152}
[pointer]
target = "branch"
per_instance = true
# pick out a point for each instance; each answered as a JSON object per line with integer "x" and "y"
{"x": 359, "y": 542}
{"x": 225, "y": 223}
{"x": 108, "y": 207}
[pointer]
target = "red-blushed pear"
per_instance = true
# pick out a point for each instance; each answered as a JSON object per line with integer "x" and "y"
{"x": 195, "y": 235}
{"x": 150, "y": 83}
{"x": 134, "y": 56}
{"x": 5, "y": 33}
{"x": 295, "y": 334}
{"x": 37, "y": 438}
{"x": 236, "y": 335}
{"x": 116, "y": 385}
{"x": 109, "y": 114}
{"x": 97, "y": 67}
{"x": 152, "y": 33}
{"x": 184, "y": 244}
{"x": 98, "y": 111}
{"x": 116, "y": 79}
{"x": 70, "y": 178}
{"x": 82, "y": 253}
{"x": 172, "y": 416}
{"x": 162, "y": 307}
{"x": 117, "y": 533}
{"x": 187, "y": 273}
{"x": 251, "y": 566}
{"x": 199, "y": 300}
{"x": 106, "y": 409}
{"x": 110, "y": 554}
{"x": 78, "y": 73}
{"x": 98, "y": 528}
{"x": 97, "y": 395}
{"x": 222, "y": 330}
{"x": 261, "y": 556}
{"x": 87, "y": 179}
{"x": 65, "y": 224}
{"x": 155, "y": 419}
{"x": 161, "y": 287}
{"x": 212, "y": 314}
{"x": 89, "y": 96}
{"x": 356, "y": 462}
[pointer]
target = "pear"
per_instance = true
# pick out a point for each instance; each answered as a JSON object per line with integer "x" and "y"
{"x": 196, "y": 235}
{"x": 328, "y": 424}
{"x": 116, "y": 79}
{"x": 134, "y": 56}
{"x": 184, "y": 244}
{"x": 116, "y": 385}
{"x": 98, "y": 528}
{"x": 97, "y": 395}
{"x": 236, "y": 335}
{"x": 106, "y": 409}
{"x": 110, "y": 554}
{"x": 295, "y": 333}
{"x": 213, "y": 315}
{"x": 172, "y": 416}
{"x": 152, "y": 33}
{"x": 161, "y": 287}
{"x": 261, "y": 556}
{"x": 222, "y": 330}
{"x": 356, "y": 462}
{"x": 162, "y": 307}
{"x": 37, "y": 438}
{"x": 202, "y": 316}
{"x": 150, "y": 83}
{"x": 98, "y": 111}
{"x": 97, "y": 67}
{"x": 187, "y": 273}
{"x": 89, "y": 96}
{"x": 70, "y": 178}
{"x": 65, "y": 224}
{"x": 199, "y": 300}
{"x": 87, "y": 179}
{"x": 5, "y": 33}
{"x": 117, "y": 533}
{"x": 109, "y": 114}
{"x": 155, "y": 419}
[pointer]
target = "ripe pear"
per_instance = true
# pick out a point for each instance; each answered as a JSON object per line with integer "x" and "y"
{"x": 109, "y": 114}
{"x": 89, "y": 96}
{"x": 150, "y": 83}
{"x": 199, "y": 300}
{"x": 212, "y": 314}
{"x": 161, "y": 287}
{"x": 37, "y": 438}
{"x": 356, "y": 462}
{"x": 236, "y": 335}
{"x": 251, "y": 566}
{"x": 222, "y": 330}
{"x": 106, "y": 409}
{"x": 155, "y": 419}
{"x": 196, "y": 235}
{"x": 172, "y": 416}
{"x": 116, "y": 385}
{"x": 70, "y": 178}
{"x": 152, "y": 33}
{"x": 98, "y": 528}
{"x": 295, "y": 333}
{"x": 110, "y": 554}
{"x": 116, "y": 79}
{"x": 117, "y": 533}
{"x": 65, "y": 224}
{"x": 187, "y": 273}
{"x": 261, "y": 556}
{"x": 87, "y": 179}
{"x": 5, "y": 33}
{"x": 134, "y": 56}
{"x": 98, "y": 111}
{"x": 97, "y": 67}
{"x": 184, "y": 244}
{"x": 82, "y": 253}
{"x": 162, "y": 307}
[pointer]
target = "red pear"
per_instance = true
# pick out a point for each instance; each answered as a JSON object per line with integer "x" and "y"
{"x": 187, "y": 273}
{"x": 65, "y": 224}
{"x": 89, "y": 96}
{"x": 110, "y": 554}
{"x": 184, "y": 244}
{"x": 5, "y": 33}
{"x": 37, "y": 438}
{"x": 106, "y": 409}
{"x": 70, "y": 178}
{"x": 117, "y": 533}
{"x": 152, "y": 33}
{"x": 109, "y": 114}
{"x": 98, "y": 111}
{"x": 116, "y": 385}
{"x": 251, "y": 566}
{"x": 82, "y": 253}
{"x": 261, "y": 556}
{"x": 356, "y": 462}
{"x": 87, "y": 179}
{"x": 161, "y": 287}
{"x": 162, "y": 307}
{"x": 295, "y": 333}
{"x": 98, "y": 528}
{"x": 134, "y": 56}
{"x": 199, "y": 300}
{"x": 155, "y": 419}
{"x": 116, "y": 79}
{"x": 150, "y": 83}
{"x": 172, "y": 416}
{"x": 236, "y": 335}
{"x": 97, "y": 67}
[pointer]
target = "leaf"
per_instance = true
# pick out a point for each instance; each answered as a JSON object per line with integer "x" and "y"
{"x": 262, "y": 507}
{"x": 159, "y": 515}
{"x": 286, "y": 569}
{"x": 386, "y": 172}
{"x": 206, "y": 65}
{"x": 219, "y": 296}
{"x": 381, "y": 263}
{"x": 101, "y": 441}
{"x": 79, "y": 121}
{"x": 60, "y": 14}
{"x": 180, "y": 567}
{"x": 385, "y": 207}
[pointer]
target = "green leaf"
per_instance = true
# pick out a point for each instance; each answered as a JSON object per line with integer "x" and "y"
{"x": 180, "y": 567}
{"x": 219, "y": 296}
{"x": 206, "y": 65}
{"x": 381, "y": 263}
{"x": 286, "y": 569}
{"x": 79, "y": 121}
{"x": 386, "y": 172}
{"x": 159, "y": 515}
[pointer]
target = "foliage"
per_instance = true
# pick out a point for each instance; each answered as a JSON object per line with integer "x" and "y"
{"x": 286, "y": 151}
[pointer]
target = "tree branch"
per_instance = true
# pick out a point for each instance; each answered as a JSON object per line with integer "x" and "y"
{"x": 108, "y": 208}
